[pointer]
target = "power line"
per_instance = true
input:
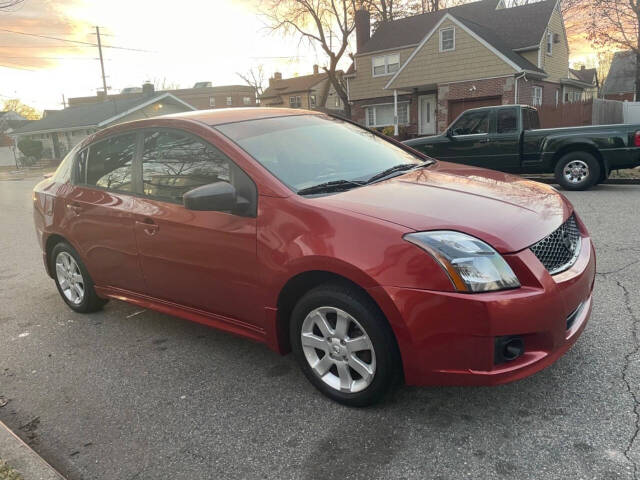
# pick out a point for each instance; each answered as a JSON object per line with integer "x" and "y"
{"x": 52, "y": 58}
{"x": 72, "y": 41}
{"x": 47, "y": 46}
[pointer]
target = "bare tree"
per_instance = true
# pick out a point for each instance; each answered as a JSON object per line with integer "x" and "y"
{"x": 615, "y": 24}
{"x": 327, "y": 24}
{"x": 254, "y": 78}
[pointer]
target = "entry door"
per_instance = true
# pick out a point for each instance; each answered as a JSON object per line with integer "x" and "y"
{"x": 427, "y": 112}
{"x": 201, "y": 259}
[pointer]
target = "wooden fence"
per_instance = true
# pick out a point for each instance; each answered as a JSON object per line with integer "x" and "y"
{"x": 566, "y": 114}
{"x": 589, "y": 112}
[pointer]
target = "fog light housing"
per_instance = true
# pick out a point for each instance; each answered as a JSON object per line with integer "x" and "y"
{"x": 508, "y": 348}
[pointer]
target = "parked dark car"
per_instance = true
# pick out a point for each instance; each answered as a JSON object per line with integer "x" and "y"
{"x": 372, "y": 263}
{"x": 508, "y": 138}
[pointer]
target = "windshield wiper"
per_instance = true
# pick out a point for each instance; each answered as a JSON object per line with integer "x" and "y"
{"x": 397, "y": 168}
{"x": 332, "y": 186}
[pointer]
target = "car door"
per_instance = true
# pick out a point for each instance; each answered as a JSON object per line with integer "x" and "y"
{"x": 503, "y": 151}
{"x": 201, "y": 259}
{"x": 469, "y": 140}
{"x": 99, "y": 217}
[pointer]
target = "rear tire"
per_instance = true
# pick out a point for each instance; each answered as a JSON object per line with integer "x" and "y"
{"x": 349, "y": 351}
{"x": 73, "y": 281}
{"x": 577, "y": 171}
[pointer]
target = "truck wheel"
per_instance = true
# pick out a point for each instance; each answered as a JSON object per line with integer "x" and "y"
{"x": 577, "y": 171}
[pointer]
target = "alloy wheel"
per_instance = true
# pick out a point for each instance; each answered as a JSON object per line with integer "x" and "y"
{"x": 576, "y": 171}
{"x": 70, "y": 278}
{"x": 338, "y": 349}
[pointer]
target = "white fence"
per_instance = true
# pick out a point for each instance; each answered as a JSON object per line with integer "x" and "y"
{"x": 6, "y": 157}
{"x": 631, "y": 112}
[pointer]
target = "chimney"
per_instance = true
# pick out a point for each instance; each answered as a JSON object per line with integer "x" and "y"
{"x": 276, "y": 76}
{"x": 315, "y": 70}
{"x": 363, "y": 28}
{"x": 147, "y": 88}
{"x": 581, "y": 67}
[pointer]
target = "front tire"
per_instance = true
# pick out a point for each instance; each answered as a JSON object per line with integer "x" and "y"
{"x": 73, "y": 281}
{"x": 344, "y": 345}
{"x": 577, "y": 171}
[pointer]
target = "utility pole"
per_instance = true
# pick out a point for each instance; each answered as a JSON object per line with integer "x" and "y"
{"x": 104, "y": 79}
{"x": 64, "y": 102}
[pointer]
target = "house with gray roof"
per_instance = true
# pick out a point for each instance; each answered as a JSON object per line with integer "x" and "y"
{"x": 61, "y": 130}
{"x": 620, "y": 83}
{"x": 419, "y": 73}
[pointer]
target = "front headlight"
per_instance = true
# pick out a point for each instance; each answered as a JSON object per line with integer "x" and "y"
{"x": 472, "y": 265}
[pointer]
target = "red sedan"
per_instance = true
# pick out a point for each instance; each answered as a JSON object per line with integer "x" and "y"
{"x": 372, "y": 262}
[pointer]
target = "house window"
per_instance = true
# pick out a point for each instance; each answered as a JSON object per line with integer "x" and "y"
{"x": 536, "y": 97}
{"x": 382, "y": 115}
{"x": 312, "y": 100}
{"x": 246, "y": 100}
{"x": 385, "y": 64}
{"x": 229, "y": 101}
{"x": 447, "y": 39}
{"x": 212, "y": 101}
{"x": 549, "y": 43}
{"x": 557, "y": 97}
{"x": 295, "y": 101}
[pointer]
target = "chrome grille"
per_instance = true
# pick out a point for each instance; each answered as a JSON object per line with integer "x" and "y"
{"x": 559, "y": 251}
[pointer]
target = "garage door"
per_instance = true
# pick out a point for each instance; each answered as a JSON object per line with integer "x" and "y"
{"x": 456, "y": 107}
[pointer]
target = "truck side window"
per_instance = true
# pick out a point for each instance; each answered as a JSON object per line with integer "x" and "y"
{"x": 507, "y": 120}
{"x": 530, "y": 119}
{"x": 472, "y": 123}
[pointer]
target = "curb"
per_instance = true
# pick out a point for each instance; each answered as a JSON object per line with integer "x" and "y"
{"x": 609, "y": 181}
{"x": 23, "y": 459}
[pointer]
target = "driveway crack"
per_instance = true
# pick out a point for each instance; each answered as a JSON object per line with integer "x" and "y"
{"x": 627, "y": 381}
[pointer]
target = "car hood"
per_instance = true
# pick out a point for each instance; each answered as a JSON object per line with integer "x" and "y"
{"x": 506, "y": 211}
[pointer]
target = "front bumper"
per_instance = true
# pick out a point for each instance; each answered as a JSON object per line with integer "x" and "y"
{"x": 448, "y": 338}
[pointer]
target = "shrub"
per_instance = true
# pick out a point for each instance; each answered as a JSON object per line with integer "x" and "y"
{"x": 30, "y": 148}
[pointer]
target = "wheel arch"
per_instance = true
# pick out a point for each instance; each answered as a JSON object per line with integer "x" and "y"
{"x": 52, "y": 240}
{"x": 582, "y": 146}
{"x": 302, "y": 283}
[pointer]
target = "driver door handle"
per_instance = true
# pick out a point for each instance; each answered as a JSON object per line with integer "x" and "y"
{"x": 148, "y": 226}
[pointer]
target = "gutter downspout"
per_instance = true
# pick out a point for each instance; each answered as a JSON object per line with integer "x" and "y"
{"x": 395, "y": 113}
{"x": 515, "y": 96}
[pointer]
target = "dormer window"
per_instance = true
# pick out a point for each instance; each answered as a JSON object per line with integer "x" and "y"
{"x": 385, "y": 64}
{"x": 447, "y": 39}
{"x": 549, "y": 43}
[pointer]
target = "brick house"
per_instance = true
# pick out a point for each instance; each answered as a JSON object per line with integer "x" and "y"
{"x": 301, "y": 92}
{"x": 419, "y": 73}
{"x": 202, "y": 96}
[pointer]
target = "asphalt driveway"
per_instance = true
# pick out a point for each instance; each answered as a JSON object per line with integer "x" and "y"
{"x": 131, "y": 394}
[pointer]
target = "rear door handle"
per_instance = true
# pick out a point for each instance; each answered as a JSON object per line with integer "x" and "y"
{"x": 149, "y": 226}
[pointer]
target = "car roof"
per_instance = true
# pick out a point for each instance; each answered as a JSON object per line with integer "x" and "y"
{"x": 220, "y": 116}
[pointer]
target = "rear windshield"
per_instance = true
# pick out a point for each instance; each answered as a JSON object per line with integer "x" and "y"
{"x": 306, "y": 150}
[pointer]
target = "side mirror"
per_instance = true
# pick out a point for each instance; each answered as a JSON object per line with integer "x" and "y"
{"x": 218, "y": 197}
{"x": 449, "y": 133}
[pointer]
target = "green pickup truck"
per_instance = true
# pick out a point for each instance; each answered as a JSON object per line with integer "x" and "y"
{"x": 508, "y": 138}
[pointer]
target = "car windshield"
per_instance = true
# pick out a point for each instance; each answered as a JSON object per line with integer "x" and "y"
{"x": 308, "y": 150}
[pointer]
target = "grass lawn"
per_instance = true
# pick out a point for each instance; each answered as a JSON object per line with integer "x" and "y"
{"x": 8, "y": 473}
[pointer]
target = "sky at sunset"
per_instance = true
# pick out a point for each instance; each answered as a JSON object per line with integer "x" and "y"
{"x": 184, "y": 42}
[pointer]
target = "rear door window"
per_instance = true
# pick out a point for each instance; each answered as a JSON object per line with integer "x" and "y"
{"x": 472, "y": 123}
{"x": 109, "y": 163}
{"x": 507, "y": 120}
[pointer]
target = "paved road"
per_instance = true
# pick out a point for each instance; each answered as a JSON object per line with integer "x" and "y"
{"x": 147, "y": 396}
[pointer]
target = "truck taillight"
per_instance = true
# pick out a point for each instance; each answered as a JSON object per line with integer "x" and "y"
{"x": 636, "y": 139}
